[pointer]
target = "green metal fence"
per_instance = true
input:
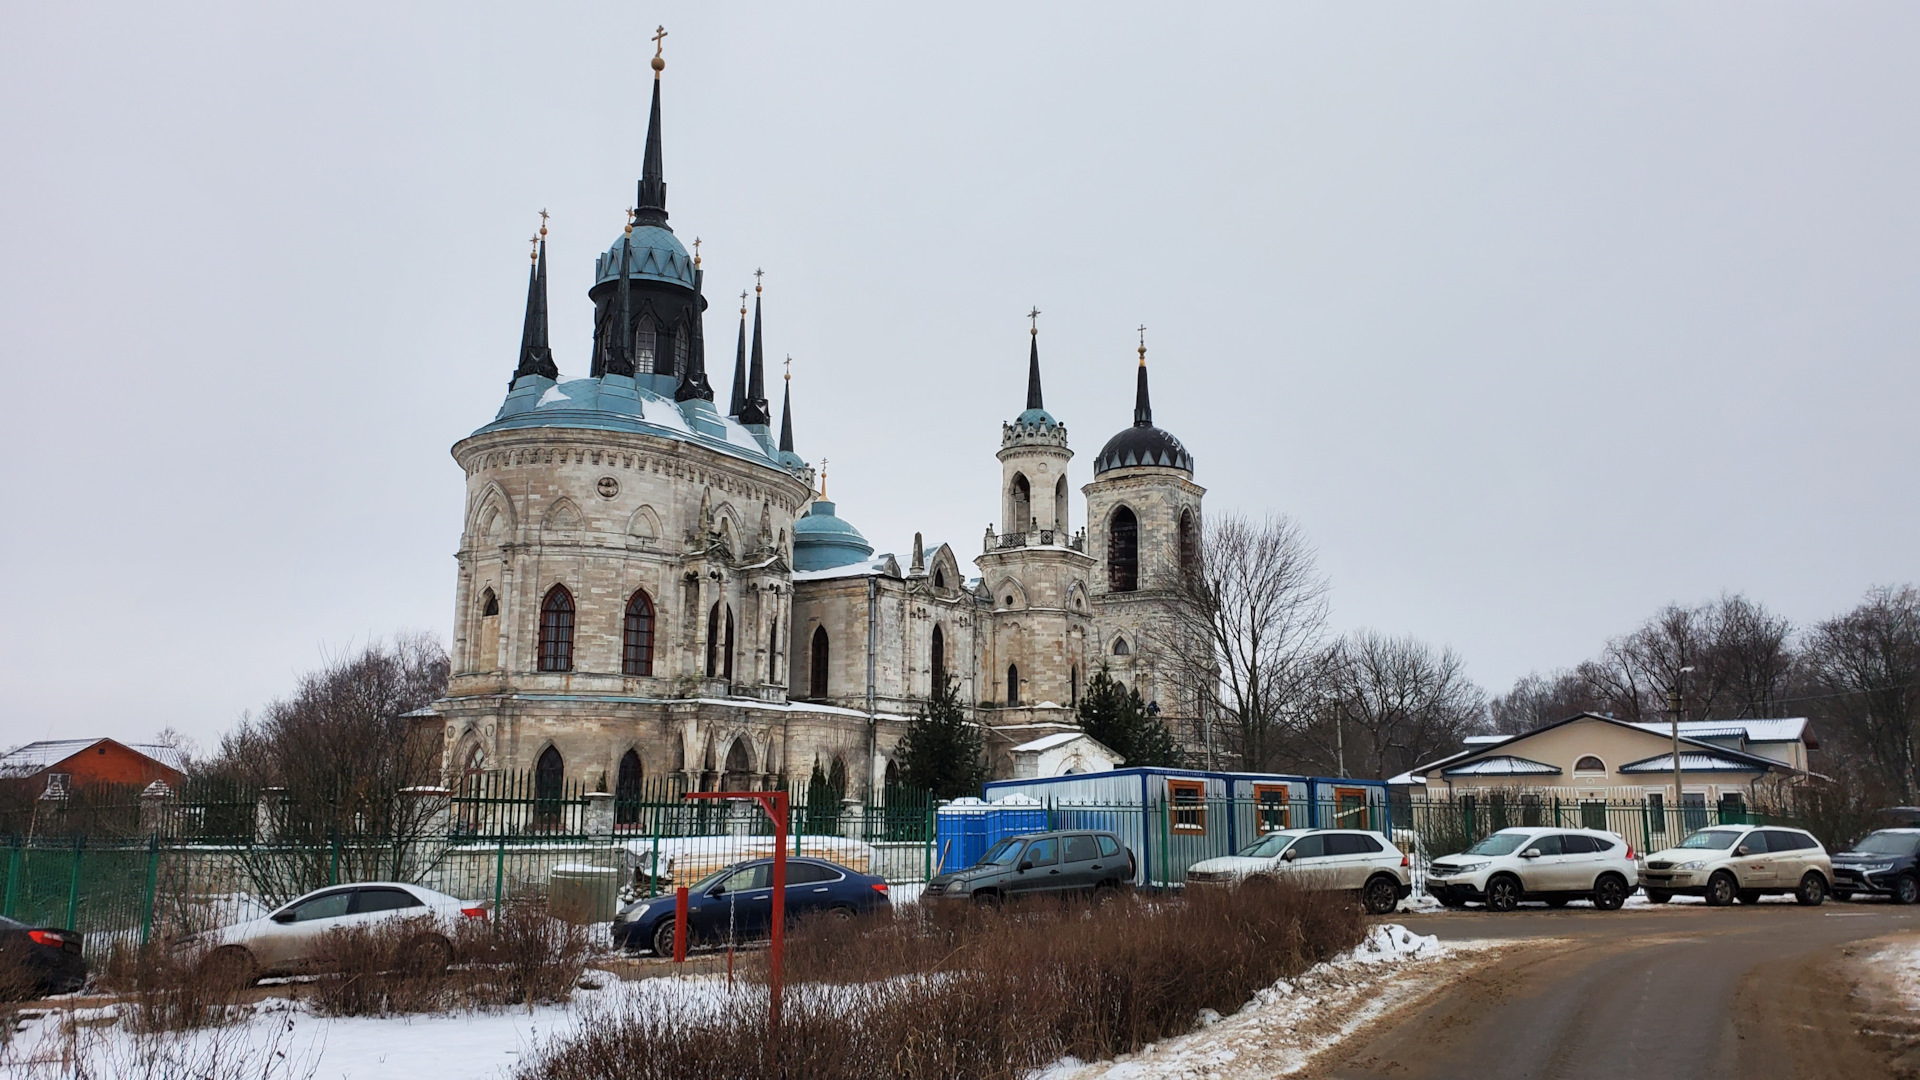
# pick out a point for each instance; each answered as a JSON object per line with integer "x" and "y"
{"x": 1446, "y": 826}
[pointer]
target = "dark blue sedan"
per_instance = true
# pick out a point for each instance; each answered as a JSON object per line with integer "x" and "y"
{"x": 736, "y": 904}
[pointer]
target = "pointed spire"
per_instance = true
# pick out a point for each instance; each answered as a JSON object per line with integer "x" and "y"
{"x": 652, "y": 199}
{"x": 693, "y": 381}
{"x": 1142, "y": 406}
{"x": 536, "y": 358}
{"x": 739, "y": 398}
{"x": 754, "y": 409}
{"x": 1033, "y": 363}
{"x": 620, "y": 350}
{"x": 786, "y": 412}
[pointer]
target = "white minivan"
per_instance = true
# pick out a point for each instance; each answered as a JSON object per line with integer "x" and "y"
{"x": 1554, "y": 865}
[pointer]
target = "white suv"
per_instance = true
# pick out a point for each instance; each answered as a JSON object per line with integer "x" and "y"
{"x": 1363, "y": 862}
{"x": 1738, "y": 862}
{"x": 1555, "y": 865}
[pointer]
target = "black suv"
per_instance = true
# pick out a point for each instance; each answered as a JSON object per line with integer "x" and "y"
{"x": 1883, "y": 863}
{"x": 1067, "y": 862}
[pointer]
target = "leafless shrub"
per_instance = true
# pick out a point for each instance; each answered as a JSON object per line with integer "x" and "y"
{"x": 76, "y": 1050}
{"x": 522, "y": 957}
{"x": 980, "y": 993}
{"x": 163, "y": 989}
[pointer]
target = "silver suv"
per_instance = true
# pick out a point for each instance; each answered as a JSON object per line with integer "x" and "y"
{"x": 1351, "y": 860}
{"x": 1739, "y": 862}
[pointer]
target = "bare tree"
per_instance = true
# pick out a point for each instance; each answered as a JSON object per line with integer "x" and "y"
{"x": 348, "y": 760}
{"x": 1738, "y": 651}
{"x": 1385, "y": 704}
{"x": 1244, "y": 634}
{"x": 1537, "y": 700}
{"x": 1868, "y": 663}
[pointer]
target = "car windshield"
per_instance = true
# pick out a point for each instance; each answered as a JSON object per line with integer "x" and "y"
{"x": 1269, "y": 845}
{"x": 1712, "y": 839}
{"x": 1500, "y": 843}
{"x": 714, "y": 878}
{"x": 1887, "y": 843}
{"x": 1000, "y": 854}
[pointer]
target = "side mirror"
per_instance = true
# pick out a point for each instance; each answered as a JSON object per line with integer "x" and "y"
{"x": 1530, "y": 853}
{"x": 1743, "y": 850}
{"x": 1025, "y": 866}
{"x": 1289, "y": 855}
{"x": 282, "y": 917}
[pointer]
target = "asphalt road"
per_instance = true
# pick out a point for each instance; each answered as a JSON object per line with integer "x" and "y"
{"x": 1681, "y": 992}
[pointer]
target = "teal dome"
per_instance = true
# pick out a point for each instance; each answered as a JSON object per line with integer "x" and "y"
{"x": 822, "y": 540}
{"x": 657, "y": 254}
{"x": 1040, "y": 418}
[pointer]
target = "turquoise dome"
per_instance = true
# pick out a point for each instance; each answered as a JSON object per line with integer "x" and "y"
{"x": 621, "y": 403}
{"x": 1036, "y": 418}
{"x": 823, "y": 540}
{"x": 657, "y": 254}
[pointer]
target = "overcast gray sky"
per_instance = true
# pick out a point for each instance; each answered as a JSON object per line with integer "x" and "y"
{"x": 1535, "y": 316}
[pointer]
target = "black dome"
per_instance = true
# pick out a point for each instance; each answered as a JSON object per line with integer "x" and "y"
{"x": 1142, "y": 444}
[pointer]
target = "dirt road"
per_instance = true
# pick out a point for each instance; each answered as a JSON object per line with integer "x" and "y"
{"x": 1673, "y": 993}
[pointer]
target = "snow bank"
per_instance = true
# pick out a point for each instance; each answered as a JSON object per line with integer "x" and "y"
{"x": 1904, "y": 960}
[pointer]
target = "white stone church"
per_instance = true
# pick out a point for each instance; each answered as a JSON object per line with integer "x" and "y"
{"x": 653, "y": 587}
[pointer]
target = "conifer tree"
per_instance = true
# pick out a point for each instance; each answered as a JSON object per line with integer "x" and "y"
{"x": 942, "y": 751}
{"x": 1114, "y": 716}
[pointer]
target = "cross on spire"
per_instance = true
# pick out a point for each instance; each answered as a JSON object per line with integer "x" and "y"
{"x": 823, "y": 478}
{"x": 659, "y": 35}
{"x": 757, "y": 275}
{"x": 543, "y": 221}
{"x": 1034, "y": 318}
{"x": 789, "y": 375}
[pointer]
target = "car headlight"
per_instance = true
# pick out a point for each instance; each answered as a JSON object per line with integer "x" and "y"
{"x": 1697, "y": 864}
{"x": 634, "y": 913}
{"x": 1470, "y": 868}
{"x": 1876, "y": 868}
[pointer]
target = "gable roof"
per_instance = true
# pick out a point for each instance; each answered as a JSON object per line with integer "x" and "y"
{"x": 1723, "y": 761}
{"x": 1455, "y": 762}
{"x": 36, "y": 757}
{"x": 1502, "y": 765}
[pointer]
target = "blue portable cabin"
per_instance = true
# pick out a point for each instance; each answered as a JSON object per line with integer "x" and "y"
{"x": 965, "y": 828}
{"x": 1173, "y": 818}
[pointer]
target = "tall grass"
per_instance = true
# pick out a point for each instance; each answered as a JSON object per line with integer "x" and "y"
{"x": 979, "y": 993}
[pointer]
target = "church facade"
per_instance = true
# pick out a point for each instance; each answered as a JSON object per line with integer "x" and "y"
{"x": 651, "y": 586}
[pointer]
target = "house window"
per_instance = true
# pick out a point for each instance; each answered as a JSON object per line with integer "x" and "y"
{"x": 1271, "y": 808}
{"x": 556, "y": 630}
{"x": 1350, "y": 808}
{"x": 636, "y": 657}
{"x": 1656, "y": 811}
{"x": 1123, "y": 551}
{"x": 1187, "y": 805}
{"x": 1590, "y": 766}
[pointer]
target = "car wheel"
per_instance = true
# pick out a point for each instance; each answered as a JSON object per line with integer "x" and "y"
{"x": 840, "y": 913}
{"x": 1905, "y": 891}
{"x": 1610, "y": 892}
{"x": 1381, "y": 895}
{"x": 230, "y": 964}
{"x": 1812, "y": 891}
{"x": 1503, "y": 893}
{"x": 1658, "y": 896}
{"x": 1721, "y": 888}
{"x": 1748, "y": 896}
{"x": 663, "y": 938}
{"x": 1104, "y": 895}
{"x": 1559, "y": 901}
{"x": 429, "y": 956}
{"x": 986, "y": 898}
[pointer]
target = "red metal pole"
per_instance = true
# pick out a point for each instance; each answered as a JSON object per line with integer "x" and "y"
{"x": 778, "y": 811}
{"x": 680, "y": 925}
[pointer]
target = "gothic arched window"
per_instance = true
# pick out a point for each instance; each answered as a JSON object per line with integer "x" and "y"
{"x": 549, "y": 787}
{"x": 680, "y": 339}
{"x": 1073, "y": 686}
{"x": 1189, "y": 542}
{"x": 720, "y": 641}
{"x": 817, "y": 664}
{"x": 626, "y": 789}
{"x": 1060, "y": 506}
{"x": 1013, "y": 684}
{"x": 644, "y": 345}
{"x": 1019, "y": 504}
{"x": 489, "y": 604}
{"x": 726, "y": 668}
{"x": 636, "y": 653}
{"x": 1123, "y": 551}
{"x": 937, "y": 661}
{"x": 939, "y": 578}
{"x": 1120, "y": 647}
{"x": 556, "y": 630}
{"x": 773, "y": 648}
{"x": 739, "y": 767}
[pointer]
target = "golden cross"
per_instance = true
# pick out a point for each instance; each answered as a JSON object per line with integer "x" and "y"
{"x": 789, "y": 367}
{"x": 534, "y": 243}
{"x": 756, "y": 279}
{"x": 543, "y": 221}
{"x": 743, "y": 303}
{"x": 659, "y": 32}
{"x": 1143, "y": 333}
{"x": 823, "y": 478}
{"x": 1034, "y": 317}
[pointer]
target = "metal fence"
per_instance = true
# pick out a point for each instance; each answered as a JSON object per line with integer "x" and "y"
{"x": 1446, "y": 826}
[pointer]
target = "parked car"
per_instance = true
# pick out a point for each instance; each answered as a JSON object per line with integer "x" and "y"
{"x": 1361, "y": 862}
{"x": 1729, "y": 862}
{"x": 1554, "y": 865}
{"x": 39, "y": 960}
{"x": 1063, "y": 863}
{"x": 288, "y": 939}
{"x": 1883, "y": 863}
{"x": 736, "y": 903}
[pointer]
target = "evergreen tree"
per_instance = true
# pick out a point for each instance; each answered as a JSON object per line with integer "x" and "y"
{"x": 824, "y": 792}
{"x": 1115, "y": 716}
{"x": 942, "y": 751}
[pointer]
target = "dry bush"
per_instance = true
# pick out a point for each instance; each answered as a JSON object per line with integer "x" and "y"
{"x": 524, "y": 957}
{"x": 521, "y": 957}
{"x": 164, "y": 989}
{"x": 987, "y": 993}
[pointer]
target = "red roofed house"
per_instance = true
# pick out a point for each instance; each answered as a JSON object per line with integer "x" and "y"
{"x": 65, "y": 764}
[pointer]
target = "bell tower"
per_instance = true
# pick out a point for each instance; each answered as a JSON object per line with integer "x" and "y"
{"x": 1033, "y": 463}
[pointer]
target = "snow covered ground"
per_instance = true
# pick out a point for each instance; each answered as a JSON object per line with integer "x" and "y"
{"x": 1280, "y": 1031}
{"x": 1902, "y": 960}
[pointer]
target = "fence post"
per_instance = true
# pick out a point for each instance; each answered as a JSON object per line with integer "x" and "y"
{"x": 1646, "y": 826}
{"x": 15, "y": 859}
{"x": 1556, "y": 811}
{"x": 653, "y": 872}
{"x": 333, "y": 864}
{"x": 153, "y": 881}
{"x": 499, "y": 871}
{"x": 931, "y": 829}
{"x": 73, "y": 886}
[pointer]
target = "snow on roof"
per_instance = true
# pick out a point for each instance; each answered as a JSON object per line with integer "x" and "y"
{"x": 1048, "y": 742}
{"x": 1485, "y": 740}
{"x": 878, "y": 565}
{"x": 1788, "y": 729}
{"x": 35, "y": 757}
{"x": 1691, "y": 763}
{"x": 1406, "y": 779}
{"x": 1502, "y": 765}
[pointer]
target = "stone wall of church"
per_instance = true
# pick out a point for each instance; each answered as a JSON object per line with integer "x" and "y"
{"x": 1159, "y": 498}
{"x": 1041, "y": 619}
{"x": 906, "y": 607}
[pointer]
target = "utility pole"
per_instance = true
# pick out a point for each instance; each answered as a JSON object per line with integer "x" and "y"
{"x": 1673, "y": 710}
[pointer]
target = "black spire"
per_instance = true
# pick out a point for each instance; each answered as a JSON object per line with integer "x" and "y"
{"x": 739, "y": 398}
{"x": 620, "y": 351}
{"x": 754, "y": 409}
{"x": 693, "y": 382}
{"x": 786, "y": 416}
{"x": 652, "y": 198}
{"x": 1033, "y": 373}
{"x": 1142, "y": 407}
{"x": 535, "y": 357}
